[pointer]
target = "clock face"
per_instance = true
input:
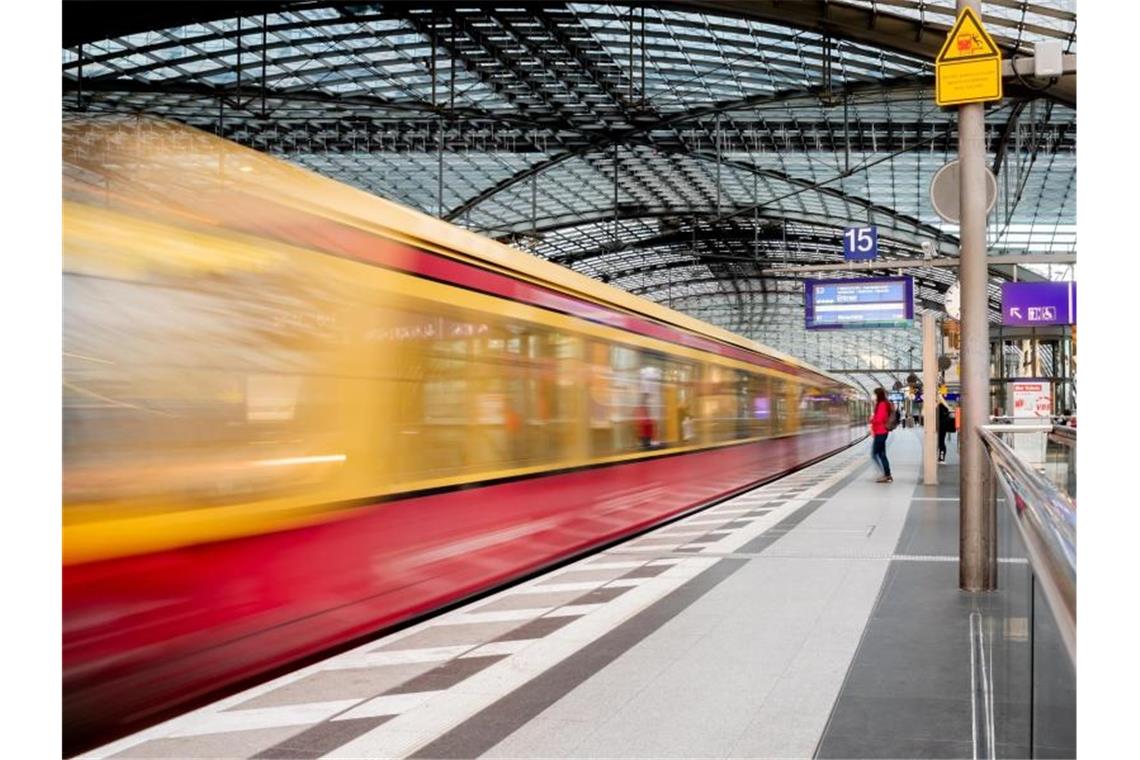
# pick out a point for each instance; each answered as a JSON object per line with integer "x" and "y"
{"x": 954, "y": 300}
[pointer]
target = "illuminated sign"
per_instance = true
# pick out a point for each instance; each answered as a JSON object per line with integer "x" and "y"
{"x": 861, "y": 303}
{"x": 1038, "y": 304}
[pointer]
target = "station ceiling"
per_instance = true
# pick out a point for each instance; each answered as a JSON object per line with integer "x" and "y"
{"x": 685, "y": 151}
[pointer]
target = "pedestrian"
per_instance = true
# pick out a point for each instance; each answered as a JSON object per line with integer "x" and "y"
{"x": 945, "y": 425}
{"x": 879, "y": 421}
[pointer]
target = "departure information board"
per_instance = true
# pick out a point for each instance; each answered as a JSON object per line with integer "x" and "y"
{"x": 864, "y": 303}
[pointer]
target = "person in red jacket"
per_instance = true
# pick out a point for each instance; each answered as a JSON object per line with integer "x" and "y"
{"x": 879, "y": 430}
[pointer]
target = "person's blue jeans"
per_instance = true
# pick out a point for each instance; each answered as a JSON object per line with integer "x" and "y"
{"x": 879, "y": 454}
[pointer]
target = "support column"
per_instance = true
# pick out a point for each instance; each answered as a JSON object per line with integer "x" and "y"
{"x": 929, "y": 400}
{"x": 977, "y": 565}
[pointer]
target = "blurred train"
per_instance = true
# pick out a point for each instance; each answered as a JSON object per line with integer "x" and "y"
{"x": 295, "y": 414}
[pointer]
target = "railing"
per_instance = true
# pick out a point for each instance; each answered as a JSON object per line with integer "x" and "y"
{"x": 1061, "y": 459}
{"x": 1064, "y": 434}
{"x": 1047, "y": 522}
{"x": 1026, "y": 656}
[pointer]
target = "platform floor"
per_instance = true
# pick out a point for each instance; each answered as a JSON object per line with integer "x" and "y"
{"x": 815, "y": 616}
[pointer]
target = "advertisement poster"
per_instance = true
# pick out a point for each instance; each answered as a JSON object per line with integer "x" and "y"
{"x": 1032, "y": 405}
{"x": 1032, "y": 400}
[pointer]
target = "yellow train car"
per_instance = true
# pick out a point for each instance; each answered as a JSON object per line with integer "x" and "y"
{"x": 295, "y": 413}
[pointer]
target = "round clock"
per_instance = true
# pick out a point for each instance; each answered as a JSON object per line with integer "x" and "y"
{"x": 953, "y": 300}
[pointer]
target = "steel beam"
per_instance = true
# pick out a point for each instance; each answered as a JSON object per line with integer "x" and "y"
{"x": 868, "y": 26}
{"x": 956, "y": 261}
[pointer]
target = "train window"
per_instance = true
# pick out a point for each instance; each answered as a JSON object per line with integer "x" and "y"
{"x": 157, "y": 418}
{"x": 562, "y": 391}
{"x": 815, "y": 408}
{"x": 650, "y": 412}
{"x": 631, "y": 399}
{"x": 742, "y": 427}
{"x": 760, "y": 406}
{"x": 599, "y": 398}
{"x": 483, "y": 394}
{"x": 779, "y": 406}
{"x": 624, "y": 403}
{"x": 678, "y": 402}
{"x": 717, "y": 403}
{"x": 613, "y": 398}
{"x": 521, "y": 416}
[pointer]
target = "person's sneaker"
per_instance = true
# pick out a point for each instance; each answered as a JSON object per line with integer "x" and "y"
{"x": 885, "y": 479}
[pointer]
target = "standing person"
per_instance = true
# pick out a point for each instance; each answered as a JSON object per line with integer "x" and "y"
{"x": 878, "y": 422}
{"x": 945, "y": 425}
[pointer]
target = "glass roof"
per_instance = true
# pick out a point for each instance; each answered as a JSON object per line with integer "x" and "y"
{"x": 683, "y": 153}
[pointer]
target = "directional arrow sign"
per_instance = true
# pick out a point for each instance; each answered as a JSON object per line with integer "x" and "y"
{"x": 968, "y": 68}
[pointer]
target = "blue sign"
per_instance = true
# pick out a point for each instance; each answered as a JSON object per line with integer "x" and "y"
{"x": 1038, "y": 304}
{"x": 869, "y": 302}
{"x": 860, "y": 243}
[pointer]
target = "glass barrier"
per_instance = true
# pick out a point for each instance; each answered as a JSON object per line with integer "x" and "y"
{"x": 1024, "y": 637}
{"x": 1061, "y": 460}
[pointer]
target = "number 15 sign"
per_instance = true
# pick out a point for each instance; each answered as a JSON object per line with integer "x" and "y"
{"x": 860, "y": 243}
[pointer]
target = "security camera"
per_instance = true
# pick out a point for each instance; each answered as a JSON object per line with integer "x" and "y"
{"x": 927, "y": 249}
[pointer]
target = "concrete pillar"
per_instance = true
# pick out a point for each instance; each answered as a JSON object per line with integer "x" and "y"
{"x": 977, "y": 564}
{"x": 929, "y": 400}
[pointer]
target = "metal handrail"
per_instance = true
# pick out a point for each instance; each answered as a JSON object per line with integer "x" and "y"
{"x": 1064, "y": 434}
{"x": 1053, "y": 419}
{"x": 1023, "y": 428}
{"x": 1047, "y": 521}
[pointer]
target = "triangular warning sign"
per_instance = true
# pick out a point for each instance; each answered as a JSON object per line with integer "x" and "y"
{"x": 968, "y": 40}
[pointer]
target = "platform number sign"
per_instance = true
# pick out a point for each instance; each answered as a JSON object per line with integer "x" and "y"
{"x": 860, "y": 243}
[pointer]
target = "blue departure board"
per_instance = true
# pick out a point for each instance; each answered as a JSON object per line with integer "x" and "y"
{"x": 859, "y": 303}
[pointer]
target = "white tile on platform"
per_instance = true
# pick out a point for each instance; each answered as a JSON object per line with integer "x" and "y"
{"x": 364, "y": 659}
{"x": 579, "y": 585}
{"x": 502, "y": 647}
{"x": 624, "y": 582}
{"x": 607, "y": 561}
{"x": 500, "y": 616}
{"x": 579, "y": 609}
{"x": 261, "y": 717}
{"x": 387, "y": 704}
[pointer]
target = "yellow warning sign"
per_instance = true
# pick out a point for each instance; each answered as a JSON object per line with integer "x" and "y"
{"x": 968, "y": 39}
{"x": 968, "y": 68}
{"x": 968, "y": 82}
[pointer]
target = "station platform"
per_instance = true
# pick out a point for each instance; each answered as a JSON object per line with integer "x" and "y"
{"x": 815, "y": 616}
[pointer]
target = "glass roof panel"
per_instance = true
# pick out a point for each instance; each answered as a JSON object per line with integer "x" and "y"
{"x": 743, "y": 143}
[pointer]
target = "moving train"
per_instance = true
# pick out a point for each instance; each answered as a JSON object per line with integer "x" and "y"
{"x": 295, "y": 414}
